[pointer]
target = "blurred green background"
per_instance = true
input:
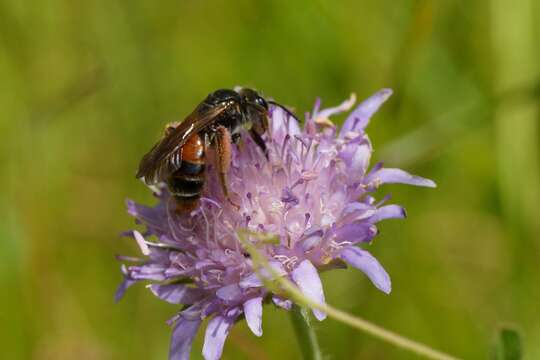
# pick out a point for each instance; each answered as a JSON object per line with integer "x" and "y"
{"x": 87, "y": 86}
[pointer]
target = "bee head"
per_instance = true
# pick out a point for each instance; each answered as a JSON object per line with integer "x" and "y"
{"x": 253, "y": 99}
{"x": 256, "y": 109}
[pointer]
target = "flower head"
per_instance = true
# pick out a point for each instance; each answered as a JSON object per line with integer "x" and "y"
{"x": 313, "y": 193}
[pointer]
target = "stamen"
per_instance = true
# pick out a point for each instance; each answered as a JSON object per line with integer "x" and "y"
{"x": 207, "y": 225}
{"x": 307, "y": 217}
{"x": 284, "y": 144}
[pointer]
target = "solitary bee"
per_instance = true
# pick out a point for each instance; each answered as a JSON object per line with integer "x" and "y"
{"x": 178, "y": 159}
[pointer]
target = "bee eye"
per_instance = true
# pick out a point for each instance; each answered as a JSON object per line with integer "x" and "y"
{"x": 261, "y": 102}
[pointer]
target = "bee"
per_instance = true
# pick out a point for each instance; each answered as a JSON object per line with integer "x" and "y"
{"x": 179, "y": 158}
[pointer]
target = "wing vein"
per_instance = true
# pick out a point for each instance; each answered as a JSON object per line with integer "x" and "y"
{"x": 165, "y": 156}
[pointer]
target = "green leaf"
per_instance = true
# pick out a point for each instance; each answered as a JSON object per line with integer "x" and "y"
{"x": 508, "y": 346}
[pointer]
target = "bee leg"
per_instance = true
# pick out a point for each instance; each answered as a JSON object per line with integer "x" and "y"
{"x": 223, "y": 159}
{"x": 259, "y": 141}
{"x": 236, "y": 138}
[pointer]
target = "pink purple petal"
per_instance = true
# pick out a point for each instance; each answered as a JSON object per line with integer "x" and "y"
{"x": 283, "y": 125}
{"x": 388, "y": 212}
{"x": 141, "y": 242}
{"x": 124, "y": 285}
{"x": 354, "y": 233}
{"x": 229, "y": 292}
{"x": 357, "y": 157}
{"x": 176, "y": 293}
{"x": 253, "y": 311}
{"x": 216, "y": 333}
{"x": 282, "y": 303}
{"x": 253, "y": 280}
{"x": 344, "y": 106}
{"x": 365, "y": 262}
{"x": 398, "y": 176}
{"x": 182, "y": 336}
{"x": 359, "y": 118}
{"x": 311, "y": 239}
{"x": 308, "y": 280}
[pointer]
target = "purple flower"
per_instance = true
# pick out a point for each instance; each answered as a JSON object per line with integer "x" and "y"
{"x": 314, "y": 194}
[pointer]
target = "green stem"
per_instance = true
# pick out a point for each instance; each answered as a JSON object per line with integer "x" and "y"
{"x": 282, "y": 284}
{"x": 305, "y": 333}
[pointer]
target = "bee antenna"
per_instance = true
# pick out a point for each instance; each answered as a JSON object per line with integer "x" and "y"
{"x": 289, "y": 112}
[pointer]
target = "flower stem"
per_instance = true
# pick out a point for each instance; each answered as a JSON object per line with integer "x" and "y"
{"x": 260, "y": 262}
{"x": 305, "y": 333}
{"x": 364, "y": 325}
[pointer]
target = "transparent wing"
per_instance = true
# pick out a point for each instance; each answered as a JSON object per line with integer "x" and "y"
{"x": 164, "y": 158}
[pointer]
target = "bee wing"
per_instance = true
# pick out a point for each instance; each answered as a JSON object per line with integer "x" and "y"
{"x": 163, "y": 159}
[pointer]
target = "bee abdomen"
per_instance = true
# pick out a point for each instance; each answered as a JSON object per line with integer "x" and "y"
{"x": 182, "y": 188}
{"x": 190, "y": 169}
{"x": 188, "y": 181}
